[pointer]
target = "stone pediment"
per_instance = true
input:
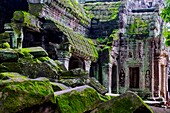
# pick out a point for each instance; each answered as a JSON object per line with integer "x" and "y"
{"x": 78, "y": 44}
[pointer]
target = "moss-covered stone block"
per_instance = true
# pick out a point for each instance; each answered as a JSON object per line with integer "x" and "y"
{"x": 77, "y": 100}
{"x": 78, "y": 72}
{"x": 35, "y": 51}
{"x": 5, "y": 45}
{"x": 126, "y": 103}
{"x": 73, "y": 82}
{"x": 12, "y": 76}
{"x": 96, "y": 85}
{"x": 26, "y": 19}
{"x": 8, "y": 55}
{"x": 58, "y": 86}
{"x": 4, "y": 37}
{"x": 33, "y": 68}
{"x": 16, "y": 95}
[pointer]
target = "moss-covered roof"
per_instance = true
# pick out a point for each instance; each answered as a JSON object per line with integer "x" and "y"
{"x": 105, "y": 11}
{"x": 71, "y": 6}
{"x": 74, "y": 8}
{"x": 80, "y": 45}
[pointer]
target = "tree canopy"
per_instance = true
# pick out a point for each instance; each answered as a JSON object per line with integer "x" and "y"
{"x": 165, "y": 14}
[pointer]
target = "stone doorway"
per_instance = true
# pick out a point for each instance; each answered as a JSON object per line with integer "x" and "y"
{"x": 114, "y": 79}
{"x": 133, "y": 77}
{"x": 76, "y": 63}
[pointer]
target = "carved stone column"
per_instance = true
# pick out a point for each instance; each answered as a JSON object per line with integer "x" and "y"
{"x": 87, "y": 65}
{"x": 64, "y": 57}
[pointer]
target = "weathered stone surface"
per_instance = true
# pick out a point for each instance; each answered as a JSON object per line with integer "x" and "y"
{"x": 77, "y": 100}
{"x": 126, "y": 103}
{"x": 78, "y": 72}
{"x": 35, "y": 51}
{"x": 16, "y": 95}
{"x": 8, "y": 55}
{"x": 12, "y": 76}
{"x": 96, "y": 85}
{"x": 33, "y": 68}
{"x": 84, "y": 81}
{"x": 58, "y": 86}
{"x": 73, "y": 82}
{"x": 79, "y": 77}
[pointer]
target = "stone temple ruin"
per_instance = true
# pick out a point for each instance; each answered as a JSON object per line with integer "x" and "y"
{"x": 120, "y": 43}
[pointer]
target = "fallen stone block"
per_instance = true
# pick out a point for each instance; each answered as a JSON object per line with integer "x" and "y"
{"x": 35, "y": 51}
{"x": 126, "y": 103}
{"x": 77, "y": 100}
{"x": 16, "y": 95}
{"x": 8, "y": 55}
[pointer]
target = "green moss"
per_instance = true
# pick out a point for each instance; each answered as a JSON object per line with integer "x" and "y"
{"x": 126, "y": 103}
{"x": 112, "y": 8}
{"x": 35, "y": 9}
{"x": 42, "y": 59}
{"x": 24, "y": 93}
{"x": 4, "y": 37}
{"x": 79, "y": 44}
{"x": 23, "y": 18}
{"x": 33, "y": 68}
{"x": 11, "y": 75}
{"x": 104, "y": 98}
{"x": 25, "y": 52}
{"x": 72, "y": 7}
{"x": 5, "y": 45}
{"x": 78, "y": 102}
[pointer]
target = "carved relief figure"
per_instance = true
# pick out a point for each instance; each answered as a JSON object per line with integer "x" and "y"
{"x": 148, "y": 79}
{"x": 122, "y": 78}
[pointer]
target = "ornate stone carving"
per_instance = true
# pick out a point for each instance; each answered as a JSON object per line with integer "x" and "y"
{"x": 122, "y": 78}
{"x": 148, "y": 79}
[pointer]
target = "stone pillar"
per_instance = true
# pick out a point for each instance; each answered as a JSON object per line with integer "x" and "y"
{"x": 64, "y": 57}
{"x": 110, "y": 77}
{"x": 87, "y": 65}
{"x": 106, "y": 76}
{"x": 156, "y": 77}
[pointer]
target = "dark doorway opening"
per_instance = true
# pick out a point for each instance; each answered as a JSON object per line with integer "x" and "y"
{"x": 114, "y": 79}
{"x": 76, "y": 63}
{"x": 134, "y": 77}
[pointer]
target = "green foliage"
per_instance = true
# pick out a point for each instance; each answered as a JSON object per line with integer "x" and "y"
{"x": 114, "y": 35}
{"x": 165, "y": 13}
{"x": 166, "y": 34}
{"x": 137, "y": 25}
{"x": 106, "y": 43}
{"x": 167, "y": 42}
